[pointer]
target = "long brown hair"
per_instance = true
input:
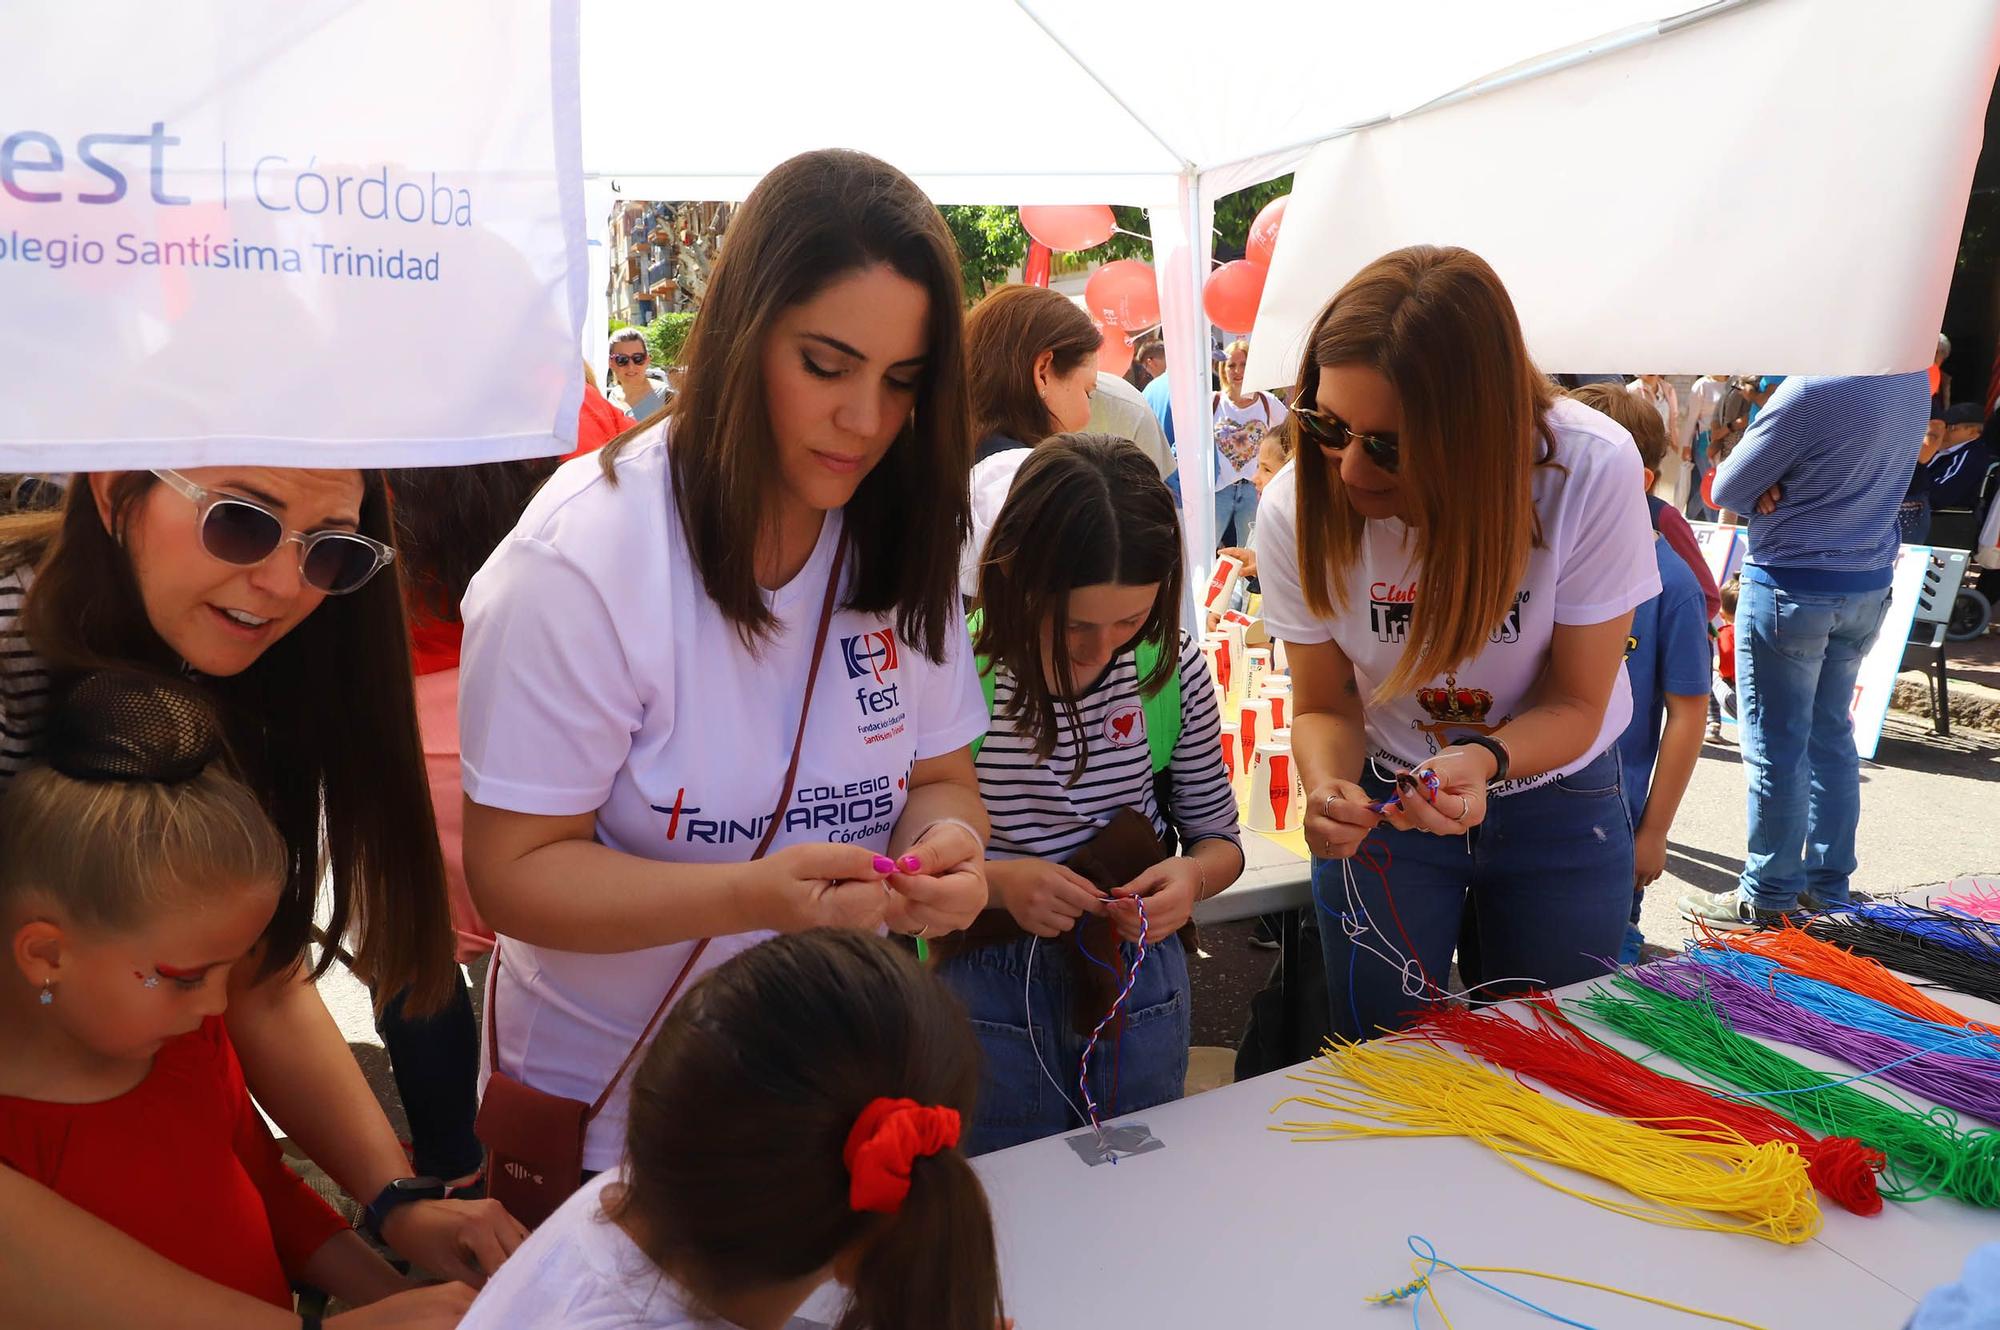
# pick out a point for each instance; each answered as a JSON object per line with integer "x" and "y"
{"x": 449, "y": 519}
{"x": 810, "y": 222}
{"x": 1004, "y": 335}
{"x": 1438, "y": 325}
{"x": 739, "y": 1117}
{"x": 1084, "y": 510}
{"x": 323, "y": 725}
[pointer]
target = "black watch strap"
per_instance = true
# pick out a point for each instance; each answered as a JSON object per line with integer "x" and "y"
{"x": 395, "y": 1196}
{"x": 1493, "y": 746}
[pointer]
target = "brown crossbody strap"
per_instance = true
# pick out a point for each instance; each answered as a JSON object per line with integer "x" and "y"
{"x": 770, "y": 833}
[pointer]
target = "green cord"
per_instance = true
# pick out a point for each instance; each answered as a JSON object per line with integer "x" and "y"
{"x": 1928, "y": 1152}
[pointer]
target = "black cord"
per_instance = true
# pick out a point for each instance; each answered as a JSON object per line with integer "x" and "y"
{"x": 1938, "y": 965}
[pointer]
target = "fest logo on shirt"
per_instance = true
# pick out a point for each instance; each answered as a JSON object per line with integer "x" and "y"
{"x": 872, "y": 656}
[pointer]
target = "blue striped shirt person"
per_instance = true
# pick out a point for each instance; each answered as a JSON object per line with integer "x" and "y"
{"x": 1840, "y": 451}
{"x": 1821, "y": 471}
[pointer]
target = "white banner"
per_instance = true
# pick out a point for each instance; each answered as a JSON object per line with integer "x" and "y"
{"x": 334, "y": 232}
{"x": 1876, "y": 682}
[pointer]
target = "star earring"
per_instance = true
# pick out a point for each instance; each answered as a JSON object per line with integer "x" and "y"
{"x": 48, "y": 996}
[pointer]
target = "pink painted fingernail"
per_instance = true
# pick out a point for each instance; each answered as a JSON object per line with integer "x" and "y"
{"x": 911, "y": 863}
{"x": 884, "y": 864}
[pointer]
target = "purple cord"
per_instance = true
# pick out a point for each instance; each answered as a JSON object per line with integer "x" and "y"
{"x": 1969, "y": 1085}
{"x": 1117, "y": 1005}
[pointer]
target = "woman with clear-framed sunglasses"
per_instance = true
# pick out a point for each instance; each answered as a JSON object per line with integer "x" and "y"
{"x": 265, "y": 584}
{"x": 1452, "y": 560}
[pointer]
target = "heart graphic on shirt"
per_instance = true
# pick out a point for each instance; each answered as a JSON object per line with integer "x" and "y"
{"x": 1121, "y": 727}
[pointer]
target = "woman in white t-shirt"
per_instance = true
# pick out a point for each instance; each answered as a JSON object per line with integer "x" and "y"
{"x": 1241, "y": 422}
{"x": 795, "y": 1125}
{"x": 1452, "y": 560}
{"x": 636, "y": 652}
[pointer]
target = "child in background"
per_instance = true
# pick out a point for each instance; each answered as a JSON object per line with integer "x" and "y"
{"x": 1103, "y": 745}
{"x": 1666, "y": 660}
{"x": 137, "y": 873}
{"x": 795, "y": 1122}
{"x": 1722, "y": 702}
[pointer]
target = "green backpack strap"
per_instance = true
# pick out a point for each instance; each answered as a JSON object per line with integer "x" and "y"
{"x": 1162, "y": 709}
{"x": 985, "y": 668}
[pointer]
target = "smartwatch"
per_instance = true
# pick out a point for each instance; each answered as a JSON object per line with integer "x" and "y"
{"x": 397, "y": 1195}
{"x": 1493, "y": 746}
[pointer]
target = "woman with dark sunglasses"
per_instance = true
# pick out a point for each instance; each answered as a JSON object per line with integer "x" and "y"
{"x": 267, "y": 585}
{"x": 1452, "y": 560}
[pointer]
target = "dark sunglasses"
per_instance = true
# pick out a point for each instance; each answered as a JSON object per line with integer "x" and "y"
{"x": 244, "y": 533}
{"x": 636, "y": 358}
{"x": 1330, "y": 431}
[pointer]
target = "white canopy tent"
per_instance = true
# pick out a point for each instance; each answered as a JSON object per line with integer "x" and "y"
{"x": 1173, "y": 105}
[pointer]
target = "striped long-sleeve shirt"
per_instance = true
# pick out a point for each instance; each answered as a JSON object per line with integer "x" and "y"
{"x": 1036, "y": 814}
{"x": 1842, "y": 450}
{"x": 24, "y": 683}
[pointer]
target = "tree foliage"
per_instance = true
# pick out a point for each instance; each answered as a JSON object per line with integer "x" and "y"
{"x": 991, "y": 240}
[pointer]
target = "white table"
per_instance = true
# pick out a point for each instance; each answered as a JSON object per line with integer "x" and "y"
{"x": 1274, "y": 880}
{"x": 1234, "y": 1225}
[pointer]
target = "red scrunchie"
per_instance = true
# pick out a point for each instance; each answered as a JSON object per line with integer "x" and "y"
{"x": 889, "y": 1137}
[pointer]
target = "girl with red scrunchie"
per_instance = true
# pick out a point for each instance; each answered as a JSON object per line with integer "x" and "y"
{"x": 796, "y": 1121}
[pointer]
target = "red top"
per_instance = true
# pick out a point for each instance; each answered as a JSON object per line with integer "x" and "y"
{"x": 1725, "y": 648}
{"x": 598, "y": 423}
{"x": 182, "y": 1163}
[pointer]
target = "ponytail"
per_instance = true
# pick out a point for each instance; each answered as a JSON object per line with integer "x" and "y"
{"x": 932, "y": 1263}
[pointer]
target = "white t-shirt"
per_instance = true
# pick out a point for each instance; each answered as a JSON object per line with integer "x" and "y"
{"x": 992, "y": 479}
{"x": 1119, "y": 408}
{"x": 598, "y": 677}
{"x": 1239, "y": 432}
{"x": 580, "y": 1271}
{"x": 1596, "y": 562}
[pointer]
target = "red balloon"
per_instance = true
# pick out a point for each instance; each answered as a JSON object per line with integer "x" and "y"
{"x": 1115, "y": 356}
{"x": 1069, "y": 226}
{"x": 1232, "y": 293}
{"x": 1264, "y": 231}
{"x": 1123, "y": 294}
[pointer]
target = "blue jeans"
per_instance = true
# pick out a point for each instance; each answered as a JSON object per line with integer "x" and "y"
{"x": 1797, "y": 655}
{"x": 1549, "y": 873}
{"x": 1145, "y": 1066}
{"x": 1236, "y": 503}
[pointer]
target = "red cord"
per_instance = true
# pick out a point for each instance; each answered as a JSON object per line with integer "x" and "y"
{"x": 1382, "y": 872}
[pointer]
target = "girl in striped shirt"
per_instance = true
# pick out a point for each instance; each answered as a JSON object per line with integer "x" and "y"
{"x": 1099, "y": 704}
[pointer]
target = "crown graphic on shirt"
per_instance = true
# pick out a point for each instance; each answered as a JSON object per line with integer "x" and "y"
{"x": 1452, "y": 705}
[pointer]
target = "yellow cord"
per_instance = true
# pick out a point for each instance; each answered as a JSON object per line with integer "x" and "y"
{"x": 1707, "y": 1178}
{"x": 1423, "y": 1284}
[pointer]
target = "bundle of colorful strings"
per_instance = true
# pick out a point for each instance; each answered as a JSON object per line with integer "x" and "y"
{"x": 1957, "y": 1068}
{"x": 1928, "y": 1154}
{"x": 1708, "y": 1180}
{"x": 1546, "y": 1046}
{"x": 1425, "y": 1264}
{"x": 1948, "y": 967}
{"x": 1802, "y": 954}
{"x": 1976, "y": 937}
{"x": 1977, "y": 898}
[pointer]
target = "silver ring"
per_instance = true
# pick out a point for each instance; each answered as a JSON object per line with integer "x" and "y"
{"x": 1464, "y": 807}
{"x": 1329, "y": 806}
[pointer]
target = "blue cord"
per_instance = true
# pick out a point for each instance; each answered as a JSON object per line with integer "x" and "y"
{"x": 1421, "y": 1246}
{"x": 1846, "y": 1007}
